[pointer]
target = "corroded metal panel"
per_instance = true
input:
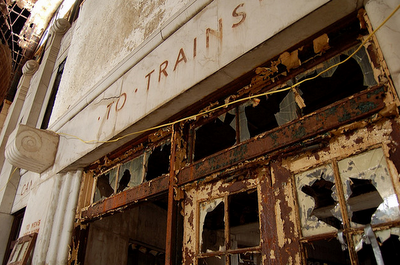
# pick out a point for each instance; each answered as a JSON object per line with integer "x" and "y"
{"x": 280, "y": 235}
{"x": 127, "y": 197}
{"x": 322, "y": 121}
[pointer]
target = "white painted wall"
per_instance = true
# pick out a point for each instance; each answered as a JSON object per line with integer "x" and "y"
{"x": 389, "y": 35}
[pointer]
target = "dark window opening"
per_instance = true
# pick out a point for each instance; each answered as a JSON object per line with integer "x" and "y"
{"x": 213, "y": 229}
{"x": 321, "y": 191}
{"x": 346, "y": 80}
{"x": 215, "y": 136}
{"x": 246, "y": 259}
{"x": 14, "y": 233}
{"x": 389, "y": 250}
{"x": 158, "y": 163}
{"x": 243, "y": 220}
{"x": 142, "y": 255}
{"x": 52, "y": 98}
{"x": 327, "y": 251}
{"x": 135, "y": 236}
{"x": 105, "y": 185}
{"x": 124, "y": 180}
{"x": 261, "y": 118}
{"x": 364, "y": 200}
{"x": 229, "y": 230}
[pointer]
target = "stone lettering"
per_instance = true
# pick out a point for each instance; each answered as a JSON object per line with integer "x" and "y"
{"x": 181, "y": 57}
{"x": 235, "y": 13}
{"x": 163, "y": 69}
{"x": 148, "y": 80}
{"x": 216, "y": 33}
{"x": 119, "y": 106}
{"x": 109, "y": 109}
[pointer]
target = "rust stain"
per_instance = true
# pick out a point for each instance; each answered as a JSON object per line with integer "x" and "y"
{"x": 287, "y": 232}
{"x": 127, "y": 197}
{"x": 394, "y": 153}
{"x": 359, "y": 140}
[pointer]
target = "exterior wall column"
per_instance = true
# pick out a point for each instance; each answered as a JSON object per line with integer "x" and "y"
{"x": 26, "y": 110}
{"x": 37, "y": 92}
{"x": 388, "y": 36}
{"x": 8, "y": 182}
{"x": 57, "y": 230}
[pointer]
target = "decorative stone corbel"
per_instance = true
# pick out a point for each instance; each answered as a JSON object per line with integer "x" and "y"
{"x": 31, "y": 148}
{"x": 60, "y": 26}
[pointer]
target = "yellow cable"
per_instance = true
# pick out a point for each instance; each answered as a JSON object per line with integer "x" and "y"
{"x": 242, "y": 99}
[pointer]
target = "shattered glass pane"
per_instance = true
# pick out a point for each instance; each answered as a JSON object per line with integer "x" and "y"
{"x": 363, "y": 201}
{"x": 244, "y": 130}
{"x": 375, "y": 192}
{"x": 212, "y": 226}
{"x": 363, "y": 61}
{"x": 218, "y": 260}
{"x": 287, "y": 109}
{"x": 336, "y": 84}
{"x": 261, "y": 117}
{"x": 389, "y": 245}
{"x": 158, "y": 161}
{"x": 246, "y": 258}
{"x": 131, "y": 174}
{"x": 105, "y": 184}
{"x": 327, "y": 64}
{"x": 318, "y": 202}
{"x": 243, "y": 220}
{"x": 215, "y": 136}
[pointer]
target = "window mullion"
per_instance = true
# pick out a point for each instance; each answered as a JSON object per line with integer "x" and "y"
{"x": 344, "y": 213}
{"x": 227, "y": 231}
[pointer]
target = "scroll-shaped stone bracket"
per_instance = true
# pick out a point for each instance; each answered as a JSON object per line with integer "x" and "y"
{"x": 31, "y": 148}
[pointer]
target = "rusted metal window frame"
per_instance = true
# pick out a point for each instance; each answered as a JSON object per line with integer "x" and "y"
{"x": 348, "y": 231}
{"x": 235, "y": 188}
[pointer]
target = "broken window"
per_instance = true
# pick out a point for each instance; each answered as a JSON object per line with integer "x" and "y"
{"x": 335, "y": 79}
{"x": 339, "y": 82}
{"x": 149, "y": 165}
{"x": 368, "y": 189}
{"x": 369, "y": 203}
{"x": 158, "y": 161}
{"x": 215, "y": 135}
{"x": 263, "y": 116}
{"x": 229, "y": 230}
{"x": 132, "y": 173}
{"x": 318, "y": 201}
{"x": 105, "y": 184}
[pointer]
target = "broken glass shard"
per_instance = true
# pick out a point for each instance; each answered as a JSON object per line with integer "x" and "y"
{"x": 135, "y": 168}
{"x": 105, "y": 184}
{"x": 317, "y": 201}
{"x": 368, "y": 187}
{"x": 212, "y": 226}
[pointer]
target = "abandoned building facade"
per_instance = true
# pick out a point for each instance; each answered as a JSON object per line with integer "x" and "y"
{"x": 206, "y": 132}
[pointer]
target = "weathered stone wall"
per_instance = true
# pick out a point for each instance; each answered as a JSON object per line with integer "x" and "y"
{"x": 105, "y": 33}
